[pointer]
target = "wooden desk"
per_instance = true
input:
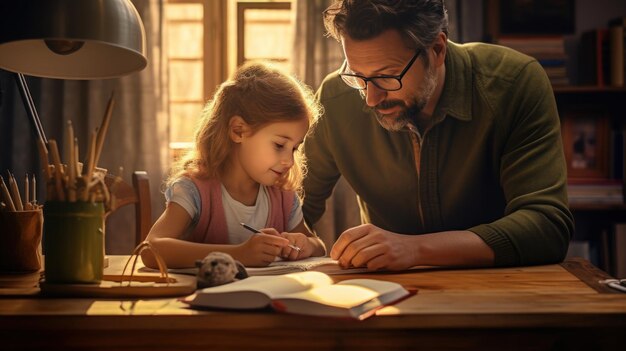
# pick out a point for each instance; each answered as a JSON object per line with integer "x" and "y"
{"x": 554, "y": 307}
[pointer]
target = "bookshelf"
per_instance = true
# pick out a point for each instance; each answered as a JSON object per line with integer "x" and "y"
{"x": 598, "y": 223}
{"x": 590, "y": 101}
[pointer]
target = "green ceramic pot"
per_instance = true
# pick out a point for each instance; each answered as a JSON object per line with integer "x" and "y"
{"x": 73, "y": 242}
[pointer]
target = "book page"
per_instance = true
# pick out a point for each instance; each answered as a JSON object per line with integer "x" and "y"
{"x": 387, "y": 291}
{"x": 348, "y": 293}
{"x": 257, "y": 292}
{"x": 275, "y": 285}
{"x": 357, "y": 300}
{"x": 344, "y": 296}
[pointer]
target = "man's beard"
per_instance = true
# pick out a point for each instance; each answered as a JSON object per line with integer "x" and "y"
{"x": 408, "y": 114}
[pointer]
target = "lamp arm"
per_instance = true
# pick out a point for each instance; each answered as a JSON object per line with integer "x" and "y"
{"x": 29, "y": 104}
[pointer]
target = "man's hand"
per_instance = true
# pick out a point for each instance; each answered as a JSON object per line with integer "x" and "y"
{"x": 370, "y": 246}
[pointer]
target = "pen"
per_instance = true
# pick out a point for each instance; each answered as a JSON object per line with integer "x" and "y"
{"x": 254, "y": 230}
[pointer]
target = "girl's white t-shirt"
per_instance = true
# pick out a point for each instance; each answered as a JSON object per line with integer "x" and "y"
{"x": 185, "y": 193}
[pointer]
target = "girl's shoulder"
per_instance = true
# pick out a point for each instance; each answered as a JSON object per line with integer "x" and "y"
{"x": 182, "y": 183}
{"x": 199, "y": 179}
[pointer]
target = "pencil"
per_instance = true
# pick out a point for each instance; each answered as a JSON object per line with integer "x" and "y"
{"x": 17, "y": 200}
{"x": 102, "y": 131}
{"x": 43, "y": 156}
{"x": 34, "y": 192}
{"x": 26, "y": 193}
{"x": 70, "y": 153}
{"x": 88, "y": 166}
{"x": 78, "y": 165}
{"x": 7, "y": 195}
{"x": 58, "y": 170}
{"x": 254, "y": 230}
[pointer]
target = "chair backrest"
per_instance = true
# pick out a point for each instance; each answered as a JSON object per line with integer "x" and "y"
{"x": 137, "y": 194}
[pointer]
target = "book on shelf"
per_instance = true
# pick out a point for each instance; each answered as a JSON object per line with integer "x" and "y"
{"x": 539, "y": 44}
{"x": 605, "y": 251}
{"x": 617, "y": 37}
{"x": 320, "y": 264}
{"x": 618, "y": 21}
{"x": 619, "y": 250}
{"x": 549, "y": 51}
{"x": 616, "y": 55}
{"x": 594, "y": 58}
{"x": 593, "y": 191}
{"x": 307, "y": 293}
{"x": 616, "y": 166}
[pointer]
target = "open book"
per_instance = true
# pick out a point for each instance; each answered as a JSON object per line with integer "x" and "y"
{"x": 320, "y": 264}
{"x": 308, "y": 293}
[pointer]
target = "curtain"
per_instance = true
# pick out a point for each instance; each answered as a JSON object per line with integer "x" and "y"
{"x": 314, "y": 54}
{"x": 314, "y": 57}
{"x": 137, "y": 137}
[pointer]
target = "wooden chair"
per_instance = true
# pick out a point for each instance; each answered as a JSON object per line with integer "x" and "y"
{"x": 137, "y": 194}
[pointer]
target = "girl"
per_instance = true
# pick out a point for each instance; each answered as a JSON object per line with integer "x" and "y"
{"x": 245, "y": 168}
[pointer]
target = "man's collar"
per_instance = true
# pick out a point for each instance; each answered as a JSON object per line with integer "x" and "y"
{"x": 456, "y": 97}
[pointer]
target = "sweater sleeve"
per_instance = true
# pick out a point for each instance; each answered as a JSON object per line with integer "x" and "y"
{"x": 537, "y": 225}
{"x": 322, "y": 172}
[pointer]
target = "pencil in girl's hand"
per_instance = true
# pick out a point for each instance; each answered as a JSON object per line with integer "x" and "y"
{"x": 254, "y": 230}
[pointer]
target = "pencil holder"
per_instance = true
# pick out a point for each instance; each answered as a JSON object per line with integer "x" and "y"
{"x": 73, "y": 242}
{"x": 20, "y": 241}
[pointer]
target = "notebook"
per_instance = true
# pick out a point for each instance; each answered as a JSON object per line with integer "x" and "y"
{"x": 320, "y": 264}
{"x": 307, "y": 293}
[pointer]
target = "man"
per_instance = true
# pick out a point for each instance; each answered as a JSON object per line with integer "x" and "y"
{"x": 457, "y": 143}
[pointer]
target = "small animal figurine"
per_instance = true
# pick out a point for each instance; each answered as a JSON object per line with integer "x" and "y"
{"x": 219, "y": 268}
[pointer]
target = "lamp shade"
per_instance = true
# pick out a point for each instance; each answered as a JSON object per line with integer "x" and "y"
{"x": 71, "y": 39}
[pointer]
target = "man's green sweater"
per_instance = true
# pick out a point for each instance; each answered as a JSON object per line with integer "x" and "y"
{"x": 492, "y": 163}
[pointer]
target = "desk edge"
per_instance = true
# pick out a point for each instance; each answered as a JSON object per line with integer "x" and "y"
{"x": 588, "y": 274}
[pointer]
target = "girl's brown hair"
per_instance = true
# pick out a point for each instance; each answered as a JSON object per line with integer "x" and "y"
{"x": 260, "y": 94}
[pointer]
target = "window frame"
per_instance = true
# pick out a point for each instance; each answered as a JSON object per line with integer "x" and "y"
{"x": 240, "y": 19}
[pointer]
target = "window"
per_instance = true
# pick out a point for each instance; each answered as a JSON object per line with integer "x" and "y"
{"x": 184, "y": 37}
{"x": 264, "y": 32}
{"x": 206, "y": 40}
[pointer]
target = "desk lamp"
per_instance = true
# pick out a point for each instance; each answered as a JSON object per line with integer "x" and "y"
{"x": 69, "y": 39}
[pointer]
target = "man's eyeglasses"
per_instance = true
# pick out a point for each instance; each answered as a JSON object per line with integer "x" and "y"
{"x": 384, "y": 82}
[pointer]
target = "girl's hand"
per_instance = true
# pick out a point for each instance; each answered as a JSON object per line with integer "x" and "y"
{"x": 299, "y": 240}
{"x": 294, "y": 239}
{"x": 260, "y": 249}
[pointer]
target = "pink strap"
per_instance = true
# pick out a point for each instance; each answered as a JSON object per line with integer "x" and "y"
{"x": 212, "y": 228}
